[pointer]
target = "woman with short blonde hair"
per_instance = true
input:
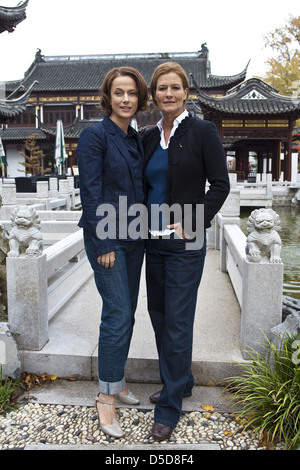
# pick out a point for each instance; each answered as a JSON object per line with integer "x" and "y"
{"x": 181, "y": 153}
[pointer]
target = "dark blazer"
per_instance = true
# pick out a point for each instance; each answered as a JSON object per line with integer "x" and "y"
{"x": 105, "y": 173}
{"x": 196, "y": 155}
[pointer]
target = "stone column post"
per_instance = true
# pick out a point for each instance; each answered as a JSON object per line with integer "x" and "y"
{"x": 261, "y": 304}
{"x": 9, "y": 200}
{"x": 230, "y": 214}
{"x": 9, "y": 357}
{"x": 269, "y": 192}
{"x": 42, "y": 189}
{"x": 28, "y": 301}
{"x": 262, "y": 280}
{"x": 72, "y": 190}
{"x": 9, "y": 194}
{"x": 64, "y": 192}
{"x": 53, "y": 185}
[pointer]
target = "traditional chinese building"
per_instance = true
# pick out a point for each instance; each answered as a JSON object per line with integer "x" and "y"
{"x": 256, "y": 127}
{"x": 67, "y": 88}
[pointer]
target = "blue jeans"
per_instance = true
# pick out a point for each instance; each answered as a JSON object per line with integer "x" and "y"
{"x": 173, "y": 276}
{"x": 119, "y": 288}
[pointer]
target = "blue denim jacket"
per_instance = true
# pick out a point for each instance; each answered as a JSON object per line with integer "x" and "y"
{"x": 109, "y": 167}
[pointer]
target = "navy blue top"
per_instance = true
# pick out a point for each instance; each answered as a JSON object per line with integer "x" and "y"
{"x": 156, "y": 176}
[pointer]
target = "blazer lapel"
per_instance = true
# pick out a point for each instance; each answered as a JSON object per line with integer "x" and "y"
{"x": 118, "y": 141}
{"x": 176, "y": 140}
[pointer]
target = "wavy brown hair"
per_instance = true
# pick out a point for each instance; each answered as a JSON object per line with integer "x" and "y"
{"x": 143, "y": 95}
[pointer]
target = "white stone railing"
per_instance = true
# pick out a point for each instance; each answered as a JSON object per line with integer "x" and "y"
{"x": 38, "y": 287}
{"x": 257, "y": 285}
{"x": 52, "y": 195}
{"x": 265, "y": 193}
{"x": 256, "y": 194}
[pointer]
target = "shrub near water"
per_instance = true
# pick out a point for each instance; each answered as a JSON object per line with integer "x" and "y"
{"x": 269, "y": 391}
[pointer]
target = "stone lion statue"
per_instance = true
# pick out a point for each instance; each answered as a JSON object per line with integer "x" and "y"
{"x": 25, "y": 238}
{"x": 263, "y": 242}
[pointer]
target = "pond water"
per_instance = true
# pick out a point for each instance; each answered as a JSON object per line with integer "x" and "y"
{"x": 290, "y": 251}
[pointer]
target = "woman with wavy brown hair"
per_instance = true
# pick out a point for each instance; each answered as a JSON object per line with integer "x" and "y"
{"x": 110, "y": 160}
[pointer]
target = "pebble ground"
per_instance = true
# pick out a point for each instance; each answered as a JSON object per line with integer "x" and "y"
{"x": 39, "y": 424}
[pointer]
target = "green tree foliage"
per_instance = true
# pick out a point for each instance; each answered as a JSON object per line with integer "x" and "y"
{"x": 284, "y": 68}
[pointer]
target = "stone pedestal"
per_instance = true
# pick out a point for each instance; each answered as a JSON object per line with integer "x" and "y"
{"x": 42, "y": 190}
{"x": 261, "y": 304}
{"x": 228, "y": 214}
{"x": 70, "y": 180}
{"x": 53, "y": 188}
{"x": 9, "y": 200}
{"x": 9, "y": 357}
{"x": 9, "y": 194}
{"x": 28, "y": 301}
{"x": 64, "y": 192}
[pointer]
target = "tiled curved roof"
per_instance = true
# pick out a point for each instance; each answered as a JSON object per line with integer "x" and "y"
{"x": 87, "y": 72}
{"x": 10, "y": 17}
{"x": 20, "y": 134}
{"x": 251, "y": 97}
{"x": 9, "y": 111}
{"x": 11, "y": 107}
{"x": 71, "y": 132}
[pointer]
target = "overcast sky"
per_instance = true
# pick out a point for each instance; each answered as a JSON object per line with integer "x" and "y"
{"x": 232, "y": 29}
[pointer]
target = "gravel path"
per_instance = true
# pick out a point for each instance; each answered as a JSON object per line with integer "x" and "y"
{"x": 34, "y": 423}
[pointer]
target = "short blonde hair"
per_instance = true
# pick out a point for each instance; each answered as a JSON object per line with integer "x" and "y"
{"x": 141, "y": 85}
{"x": 165, "y": 68}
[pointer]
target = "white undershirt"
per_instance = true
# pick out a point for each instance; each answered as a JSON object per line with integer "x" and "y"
{"x": 176, "y": 123}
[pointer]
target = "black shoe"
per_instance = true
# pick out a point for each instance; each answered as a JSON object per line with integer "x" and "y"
{"x": 160, "y": 432}
{"x": 155, "y": 396}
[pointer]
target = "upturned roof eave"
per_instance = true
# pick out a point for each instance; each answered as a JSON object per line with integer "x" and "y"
{"x": 248, "y": 110}
{"x": 10, "y": 17}
{"x": 236, "y": 102}
{"x": 10, "y": 108}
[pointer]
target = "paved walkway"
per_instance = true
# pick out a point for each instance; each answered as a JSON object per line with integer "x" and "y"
{"x": 72, "y": 348}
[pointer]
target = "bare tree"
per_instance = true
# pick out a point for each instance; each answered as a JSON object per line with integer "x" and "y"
{"x": 34, "y": 158}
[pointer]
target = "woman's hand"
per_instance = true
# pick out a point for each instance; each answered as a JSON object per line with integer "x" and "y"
{"x": 107, "y": 260}
{"x": 179, "y": 230}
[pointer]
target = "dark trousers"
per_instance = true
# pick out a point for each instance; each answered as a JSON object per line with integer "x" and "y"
{"x": 173, "y": 275}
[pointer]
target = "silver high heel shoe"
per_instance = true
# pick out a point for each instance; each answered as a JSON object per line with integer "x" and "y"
{"x": 113, "y": 430}
{"x": 128, "y": 399}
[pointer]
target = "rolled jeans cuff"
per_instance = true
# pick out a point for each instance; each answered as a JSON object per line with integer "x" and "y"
{"x": 111, "y": 388}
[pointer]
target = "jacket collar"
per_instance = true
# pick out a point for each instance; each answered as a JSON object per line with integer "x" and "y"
{"x": 152, "y": 139}
{"x": 112, "y": 128}
{"x": 184, "y": 126}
